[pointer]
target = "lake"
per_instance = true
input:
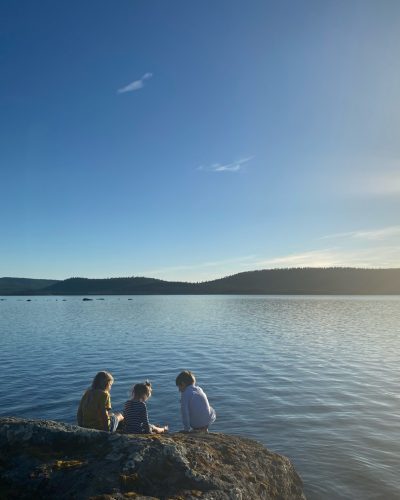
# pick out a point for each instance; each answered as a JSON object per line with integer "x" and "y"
{"x": 314, "y": 378}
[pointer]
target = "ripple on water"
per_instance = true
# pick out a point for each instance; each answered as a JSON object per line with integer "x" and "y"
{"x": 315, "y": 378}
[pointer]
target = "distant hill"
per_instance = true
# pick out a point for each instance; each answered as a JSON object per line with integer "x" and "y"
{"x": 296, "y": 281}
{"x": 13, "y": 286}
{"x": 117, "y": 286}
{"x": 334, "y": 280}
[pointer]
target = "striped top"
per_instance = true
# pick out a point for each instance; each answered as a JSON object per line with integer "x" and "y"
{"x": 136, "y": 419}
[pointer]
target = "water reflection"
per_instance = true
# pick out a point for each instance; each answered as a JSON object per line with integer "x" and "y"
{"x": 315, "y": 378}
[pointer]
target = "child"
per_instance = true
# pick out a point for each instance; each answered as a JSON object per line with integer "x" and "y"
{"x": 94, "y": 408}
{"x": 135, "y": 412}
{"x": 195, "y": 408}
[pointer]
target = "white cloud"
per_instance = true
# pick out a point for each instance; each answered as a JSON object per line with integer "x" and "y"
{"x": 371, "y": 234}
{"x": 360, "y": 248}
{"x": 388, "y": 256}
{"x": 136, "y": 85}
{"x": 235, "y": 166}
{"x": 313, "y": 258}
{"x": 374, "y": 257}
{"x": 374, "y": 248}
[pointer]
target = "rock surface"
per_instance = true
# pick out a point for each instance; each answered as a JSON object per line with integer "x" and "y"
{"x": 44, "y": 459}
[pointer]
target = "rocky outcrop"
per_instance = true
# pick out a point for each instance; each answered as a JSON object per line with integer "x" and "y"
{"x": 44, "y": 459}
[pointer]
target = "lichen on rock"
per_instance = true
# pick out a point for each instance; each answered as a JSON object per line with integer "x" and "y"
{"x": 45, "y": 459}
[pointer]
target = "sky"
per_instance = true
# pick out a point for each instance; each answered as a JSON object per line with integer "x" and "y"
{"x": 189, "y": 140}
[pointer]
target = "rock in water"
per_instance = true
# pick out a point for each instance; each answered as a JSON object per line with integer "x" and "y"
{"x": 50, "y": 460}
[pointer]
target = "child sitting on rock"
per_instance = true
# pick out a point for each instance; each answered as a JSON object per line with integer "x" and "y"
{"x": 94, "y": 408}
{"x": 197, "y": 414}
{"x": 136, "y": 420}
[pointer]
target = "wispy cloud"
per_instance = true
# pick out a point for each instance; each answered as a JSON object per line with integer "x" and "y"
{"x": 136, "y": 85}
{"x": 372, "y": 248}
{"x": 370, "y": 234}
{"x": 234, "y": 166}
{"x": 202, "y": 271}
{"x": 387, "y": 256}
{"x": 379, "y": 247}
{"x": 374, "y": 257}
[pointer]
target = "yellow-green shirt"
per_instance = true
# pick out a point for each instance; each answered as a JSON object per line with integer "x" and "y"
{"x": 91, "y": 409}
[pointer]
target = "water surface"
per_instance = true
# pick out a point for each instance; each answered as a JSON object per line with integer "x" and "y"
{"x": 314, "y": 378}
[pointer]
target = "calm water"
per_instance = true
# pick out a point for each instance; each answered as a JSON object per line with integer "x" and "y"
{"x": 314, "y": 378}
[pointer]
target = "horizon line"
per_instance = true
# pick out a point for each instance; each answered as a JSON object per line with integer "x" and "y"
{"x": 214, "y": 279}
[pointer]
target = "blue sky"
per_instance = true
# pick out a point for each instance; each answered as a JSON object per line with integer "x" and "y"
{"x": 191, "y": 140}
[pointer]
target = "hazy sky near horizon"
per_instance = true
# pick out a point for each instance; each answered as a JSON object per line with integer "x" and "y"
{"x": 191, "y": 140}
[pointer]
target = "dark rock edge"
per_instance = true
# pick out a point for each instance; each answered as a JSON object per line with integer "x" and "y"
{"x": 46, "y": 459}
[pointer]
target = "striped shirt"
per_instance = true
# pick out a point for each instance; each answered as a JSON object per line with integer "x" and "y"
{"x": 136, "y": 419}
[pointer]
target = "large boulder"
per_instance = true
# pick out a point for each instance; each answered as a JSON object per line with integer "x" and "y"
{"x": 44, "y": 459}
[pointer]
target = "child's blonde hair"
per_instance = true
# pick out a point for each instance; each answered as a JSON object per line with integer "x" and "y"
{"x": 141, "y": 390}
{"x": 101, "y": 380}
{"x": 186, "y": 377}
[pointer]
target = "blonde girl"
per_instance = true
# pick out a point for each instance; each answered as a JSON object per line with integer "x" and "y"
{"x": 94, "y": 410}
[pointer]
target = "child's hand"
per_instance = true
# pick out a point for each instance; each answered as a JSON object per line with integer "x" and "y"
{"x": 166, "y": 428}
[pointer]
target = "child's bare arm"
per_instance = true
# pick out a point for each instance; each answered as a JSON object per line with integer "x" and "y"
{"x": 119, "y": 416}
{"x": 185, "y": 412}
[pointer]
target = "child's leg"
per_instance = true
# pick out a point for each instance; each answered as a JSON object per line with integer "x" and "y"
{"x": 200, "y": 429}
{"x": 114, "y": 421}
{"x": 213, "y": 415}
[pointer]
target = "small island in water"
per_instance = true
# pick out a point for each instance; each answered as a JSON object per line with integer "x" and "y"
{"x": 294, "y": 281}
